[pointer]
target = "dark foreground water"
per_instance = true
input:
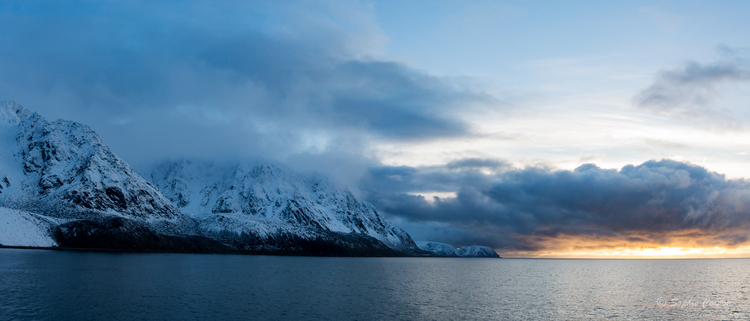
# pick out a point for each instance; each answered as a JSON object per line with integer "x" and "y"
{"x": 52, "y": 285}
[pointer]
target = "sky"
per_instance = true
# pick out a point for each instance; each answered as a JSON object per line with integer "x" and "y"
{"x": 567, "y": 128}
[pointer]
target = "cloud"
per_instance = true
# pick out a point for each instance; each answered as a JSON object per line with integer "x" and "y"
{"x": 234, "y": 79}
{"x": 691, "y": 91}
{"x": 474, "y": 162}
{"x": 537, "y": 208}
{"x": 690, "y": 85}
{"x": 665, "y": 144}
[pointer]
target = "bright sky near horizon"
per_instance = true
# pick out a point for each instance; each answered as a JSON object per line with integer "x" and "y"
{"x": 465, "y": 122}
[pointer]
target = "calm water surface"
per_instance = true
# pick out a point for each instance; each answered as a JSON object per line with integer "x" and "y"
{"x": 52, "y": 285}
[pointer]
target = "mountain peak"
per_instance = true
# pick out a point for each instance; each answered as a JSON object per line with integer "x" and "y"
{"x": 11, "y": 112}
{"x": 63, "y": 169}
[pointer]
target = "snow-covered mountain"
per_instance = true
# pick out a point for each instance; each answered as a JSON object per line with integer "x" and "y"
{"x": 257, "y": 202}
{"x": 437, "y": 248}
{"x": 442, "y": 249}
{"x": 60, "y": 185}
{"x": 64, "y": 170}
{"x": 477, "y": 251}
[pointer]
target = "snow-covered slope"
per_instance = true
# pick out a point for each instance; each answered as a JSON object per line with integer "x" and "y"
{"x": 438, "y": 248}
{"x": 442, "y": 249}
{"x": 477, "y": 251}
{"x": 64, "y": 170}
{"x": 20, "y": 228}
{"x": 263, "y": 200}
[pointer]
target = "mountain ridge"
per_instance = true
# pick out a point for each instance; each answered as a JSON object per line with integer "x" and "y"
{"x": 269, "y": 198}
{"x": 447, "y": 250}
{"x": 61, "y": 177}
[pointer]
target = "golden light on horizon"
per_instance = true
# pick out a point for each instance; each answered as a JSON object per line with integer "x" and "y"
{"x": 691, "y": 244}
{"x": 660, "y": 252}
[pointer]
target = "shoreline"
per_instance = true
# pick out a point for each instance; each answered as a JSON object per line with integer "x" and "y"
{"x": 76, "y": 249}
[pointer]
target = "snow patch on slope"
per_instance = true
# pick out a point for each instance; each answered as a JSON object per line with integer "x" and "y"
{"x": 20, "y": 228}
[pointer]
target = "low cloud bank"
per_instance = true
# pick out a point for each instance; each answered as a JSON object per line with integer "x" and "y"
{"x": 536, "y": 208}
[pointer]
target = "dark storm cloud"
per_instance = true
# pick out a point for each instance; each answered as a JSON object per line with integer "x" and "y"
{"x": 257, "y": 77}
{"x": 523, "y": 209}
{"x": 691, "y": 90}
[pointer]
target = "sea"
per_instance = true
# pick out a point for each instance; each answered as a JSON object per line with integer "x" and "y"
{"x": 63, "y": 285}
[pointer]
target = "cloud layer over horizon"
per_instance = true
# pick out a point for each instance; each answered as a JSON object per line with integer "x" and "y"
{"x": 537, "y": 208}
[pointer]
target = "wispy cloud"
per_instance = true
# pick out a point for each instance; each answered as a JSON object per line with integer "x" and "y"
{"x": 659, "y": 143}
{"x": 691, "y": 90}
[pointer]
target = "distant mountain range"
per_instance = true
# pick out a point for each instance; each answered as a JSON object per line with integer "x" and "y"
{"x": 442, "y": 249}
{"x": 61, "y": 186}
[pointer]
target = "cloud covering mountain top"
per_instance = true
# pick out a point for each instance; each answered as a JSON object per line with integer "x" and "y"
{"x": 239, "y": 79}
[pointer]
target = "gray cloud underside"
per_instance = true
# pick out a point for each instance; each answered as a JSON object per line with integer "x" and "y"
{"x": 514, "y": 208}
{"x": 253, "y": 76}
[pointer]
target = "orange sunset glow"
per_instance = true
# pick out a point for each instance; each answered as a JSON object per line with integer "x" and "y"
{"x": 663, "y": 252}
{"x": 674, "y": 245}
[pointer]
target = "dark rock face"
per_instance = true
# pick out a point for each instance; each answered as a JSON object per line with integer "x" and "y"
{"x": 4, "y": 183}
{"x": 127, "y": 235}
{"x": 121, "y": 234}
{"x": 312, "y": 243}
